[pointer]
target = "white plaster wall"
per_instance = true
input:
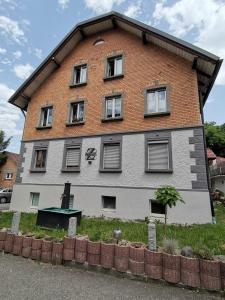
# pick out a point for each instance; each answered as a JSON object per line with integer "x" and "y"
{"x": 130, "y": 203}
{"x": 133, "y": 164}
{"x": 218, "y": 183}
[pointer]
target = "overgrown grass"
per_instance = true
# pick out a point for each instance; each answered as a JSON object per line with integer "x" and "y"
{"x": 212, "y": 236}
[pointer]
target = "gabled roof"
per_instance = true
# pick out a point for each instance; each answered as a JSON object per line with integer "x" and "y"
{"x": 13, "y": 156}
{"x": 206, "y": 64}
{"x": 211, "y": 154}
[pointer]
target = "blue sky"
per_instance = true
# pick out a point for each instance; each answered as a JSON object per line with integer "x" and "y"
{"x": 30, "y": 29}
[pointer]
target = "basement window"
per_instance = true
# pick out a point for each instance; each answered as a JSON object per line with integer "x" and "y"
{"x": 157, "y": 208}
{"x": 34, "y": 200}
{"x": 109, "y": 202}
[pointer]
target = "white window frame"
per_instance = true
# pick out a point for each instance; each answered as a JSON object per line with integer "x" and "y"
{"x": 156, "y": 95}
{"x": 113, "y": 99}
{"x": 78, "y": 111}
{"x": 115, "y": 59}
{"x": 9, "y": 177}
{"x": 154, "y": 216}
{"x": 81, "y": 68}
{"x": 48, "y": 114}
{"x": 108, "y": 209}
{"x": 31, "y": 200}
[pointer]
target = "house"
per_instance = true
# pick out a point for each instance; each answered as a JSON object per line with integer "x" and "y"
{"x": 8, "y": 170}
{"x": 217, "y": 171}
{"x": 117, "y": 110}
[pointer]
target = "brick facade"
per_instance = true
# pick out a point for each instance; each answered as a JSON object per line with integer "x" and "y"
{"x": 144, "y": 66}
{"x": 9, "y": 167}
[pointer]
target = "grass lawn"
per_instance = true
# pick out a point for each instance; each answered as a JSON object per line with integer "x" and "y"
{"x": 212, "y": 236}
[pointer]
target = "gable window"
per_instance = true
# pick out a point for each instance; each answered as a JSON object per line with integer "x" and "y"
{"x": 39, "y": 157}
{"x": 72, "y": 156}
{"x": 159, "y": 153}
{"x": 109, "y": 202}
{"x": 34, "y": 200}
{"x": 111, "y": 156}
{"x": 114, "y": 67}
{"x": 8, "y": 176}
{"x": 79, "y": 75}
{"x": 46, "y": 116}
{"x": 113, "y": 107}
{"x": 156, "y": 102}
{"x": 76, "y": 112}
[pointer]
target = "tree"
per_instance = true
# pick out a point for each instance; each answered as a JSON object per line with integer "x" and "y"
{"x": 168, "y": 196}
{"x": 3, "y": 145}
{"x": 215, "y": 138}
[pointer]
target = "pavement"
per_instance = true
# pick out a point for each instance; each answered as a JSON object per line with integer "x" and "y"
{"x": 24, "y": 279}
{"x": 4, "y": 206}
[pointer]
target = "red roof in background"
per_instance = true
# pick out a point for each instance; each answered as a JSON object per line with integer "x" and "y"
{"x": 220, "y": 159}
{"x": 211, "y": 154}
{"x": 13, "y": 156}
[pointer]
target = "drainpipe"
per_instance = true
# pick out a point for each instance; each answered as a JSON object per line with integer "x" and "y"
{"x": 207, "y": 165}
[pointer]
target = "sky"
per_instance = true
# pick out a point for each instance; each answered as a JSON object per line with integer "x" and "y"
{"x": 30, "y": 29}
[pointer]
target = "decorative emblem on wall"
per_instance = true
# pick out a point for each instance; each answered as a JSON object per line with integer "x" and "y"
{"x": 90, "y": 154}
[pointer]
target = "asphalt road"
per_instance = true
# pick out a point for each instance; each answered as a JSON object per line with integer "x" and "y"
{"x": 23, "y": 279}
{"x": 4, "y": 206}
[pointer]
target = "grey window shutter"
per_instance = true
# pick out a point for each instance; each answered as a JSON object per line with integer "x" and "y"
{"x": 111, "y": 156}
{"x": 73, "y": 157}
{"x": 158, "y": 155}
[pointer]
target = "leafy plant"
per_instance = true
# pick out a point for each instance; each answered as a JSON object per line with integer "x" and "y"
{"x": 95, "y": 235}
{"x": 205, "y": 252}
{"x": 3, "y": 145}
{"x": 168, "y": 196}
{"x": 170, "y": 246}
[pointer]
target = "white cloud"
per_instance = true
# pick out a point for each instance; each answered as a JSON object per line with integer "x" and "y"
{"x": 38, "y": 53}
{"x": 101, "y": 6}
{"x": 133, "y": 10}
{"x": 23, "y": 71}
{"x": 3, "y": 51}
{"x": 9, "y": 115}
{"x": 205, "y": 21}
{"x": 11, "y": 29}
{"x": 63, "y": 3}
{"x": 17, "y": 54}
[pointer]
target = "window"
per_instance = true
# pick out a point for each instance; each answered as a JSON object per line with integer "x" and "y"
{"x": 72, "y": 156}
{"x": 156, "y": 101}
{"x": 114, "y": 66}
{"x": 46, "y": 116}
{"x": 158, "y": 152}
{"x": 39, "y": 157}
{"x": 76, "y": 112}
{"x": 80, "y": 75}
{"x": 34, "y": 199}
{"x": 113, "y": 107}
{"x": 71, "y": 200}
{"x": 108, "y": 202}
{"x": 111, "y": 154}
{"x": 157, "y": 208}
{"x": 9, "y": 176}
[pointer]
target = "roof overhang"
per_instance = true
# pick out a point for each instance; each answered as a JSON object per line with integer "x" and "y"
{"x": 207, "y": 65}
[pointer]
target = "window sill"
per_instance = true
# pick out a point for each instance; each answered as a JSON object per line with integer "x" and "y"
{"x": 72, "y": 170}
{"x": 8, "y": 178}
{"x": 75, "y": 124}
{"x": 109, "y": 210}
{"x": 37, "y": 170}
{"x": 34, "y": 207}
{"x": 110, "y": 171}
{"x": 76, "y": 85}
{"x": 159, "y": 114}
{"x": 44, "y": 127}
{"x": 112, "y": 119}
{"x": 113, "y": 77}
{"x": 159, "y": 171}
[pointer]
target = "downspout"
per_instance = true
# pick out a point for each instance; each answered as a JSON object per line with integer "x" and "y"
{"x": 206, "y": 163}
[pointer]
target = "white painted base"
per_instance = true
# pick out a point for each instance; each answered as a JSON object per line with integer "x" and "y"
{"x": 131, "y": 203}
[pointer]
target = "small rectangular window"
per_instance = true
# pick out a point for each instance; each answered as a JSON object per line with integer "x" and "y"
{"x": 114, "y": 66}
{"x": 76, "y": 112}
{"x": 46, "y": 116}
{"x": 156, "y": 101}
{"x": 158, "y": 155}
{"x": 9, "y": 176}
{"x": 157, "y": 208}
{"x": 71, "y": 201}
{"x": 108, "y": 202}
{"x": 34, "y": 199}
{"x": 72, "y": 157}
{"x": 113, "y": 107}
{"x": 80, "y": 74}
{"x": 111, "y": 156}
{"x": 40, "y": 158}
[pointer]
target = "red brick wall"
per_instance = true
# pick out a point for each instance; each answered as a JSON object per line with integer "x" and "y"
{"x": 144, "y": 66}
{"x": 9, "y": 166}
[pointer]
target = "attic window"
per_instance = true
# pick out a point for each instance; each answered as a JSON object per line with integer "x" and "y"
{"x": 99, "y": 42}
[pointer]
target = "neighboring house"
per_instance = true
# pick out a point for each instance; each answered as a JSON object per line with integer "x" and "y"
{"x": 217, "y": 171}
{"x": 8, "y": 170}
{"x": 116, "y": 109}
